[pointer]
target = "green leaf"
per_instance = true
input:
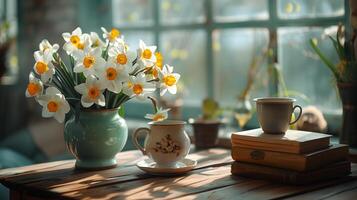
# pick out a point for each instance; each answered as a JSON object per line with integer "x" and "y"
{"x": 324, "y": 59}
{"x": 338, "y": 49}
{"x": 121, "y": 111}
{"x": 210, "y": 108}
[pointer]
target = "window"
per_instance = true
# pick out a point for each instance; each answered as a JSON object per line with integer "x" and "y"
{"x": 8, "y": 30}
{"x": 213, "y": 42}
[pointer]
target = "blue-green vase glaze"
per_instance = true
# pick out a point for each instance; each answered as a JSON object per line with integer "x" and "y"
{"x": 95, "y": 138}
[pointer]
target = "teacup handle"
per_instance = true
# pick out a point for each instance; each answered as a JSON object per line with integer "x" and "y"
{"x": 298, "y": 117}
{"x": 135, "y": 139}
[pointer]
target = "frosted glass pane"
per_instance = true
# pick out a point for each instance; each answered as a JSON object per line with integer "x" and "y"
{"x": 234, "y": 50}
{"x": 132, "y": 38}
{"x": 290, "y": 9}
{"x": 240, "y": 10}
{"x": 132, "y": 13}
{"x": 182, "y": 11}
{"x": 186, "y": 51}
{"x": 303, "y": 70}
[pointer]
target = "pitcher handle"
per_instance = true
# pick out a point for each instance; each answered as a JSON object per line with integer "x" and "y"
{"x": 135, "y": 139}
{"x": 298, "y": 117}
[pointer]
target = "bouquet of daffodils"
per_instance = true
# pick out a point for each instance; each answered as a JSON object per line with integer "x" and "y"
{"x": 100, "y": 75}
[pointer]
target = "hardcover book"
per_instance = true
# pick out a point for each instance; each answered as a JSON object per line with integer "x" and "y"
{"x": 293, "y": 141}
{"x": 332, "y": 171}
{"x": 297, "y": 162}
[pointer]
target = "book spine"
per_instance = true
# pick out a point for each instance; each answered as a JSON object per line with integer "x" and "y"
{"x": 291, "y": 177}
{"x": 269, "y": 158}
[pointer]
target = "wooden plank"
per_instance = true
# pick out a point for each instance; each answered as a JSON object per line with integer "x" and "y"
{"x": 123, "y": 174}
{"x": 68, "y": 179}
{"x": 259, "y": 190}
{"x": 255, "y": 189}
{"x": 329, "y": 192}
{"x": 162, "y": 188}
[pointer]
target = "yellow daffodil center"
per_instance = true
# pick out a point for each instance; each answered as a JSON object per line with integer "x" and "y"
{"x": 130, "y": 84}
{"x": 88, "y": 61}
{"x": 33, "y": 88}
{"x": 80, "y": 46}
{"x": 154, "y": 73}
{"x": 159, "y": 60}
{"x": 169, "y": 80}
{"x": 75, "y": 40}
{"x": 137, "y": 89}
{"x": 111, "y": 73}
{"x": 114, "y": 33}
{"x": 93, "y": 93}
{"x": 52, "y": 106}
{"x": 122, "y": 59}
{"x": 41, "y": 67}
{"x": 96, "y": 43}
{"x": 147, "y": 54}
{"x": 158, "y": 117}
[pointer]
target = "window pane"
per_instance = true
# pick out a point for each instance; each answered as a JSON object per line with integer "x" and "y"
{"x": 182, "y": 11}
{"x": 234, "y": 51}
{"x": 132, "y": 13}
{"x": 290, "y": 9}
{"x": 239, "y": 10}
{"x": 186, "y": 51}
{"x": 132, "y": 38}
{"x": 302, "y": 69}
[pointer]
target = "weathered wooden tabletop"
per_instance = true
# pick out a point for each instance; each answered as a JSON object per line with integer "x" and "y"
{"x": 211, "y": 179}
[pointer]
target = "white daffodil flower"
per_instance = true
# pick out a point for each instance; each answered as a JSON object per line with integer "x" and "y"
{"x": 74, "y": 40}
{"x": 111, "y": 36}
{"x": 35, "y": 86}
{"x": 54, "y": 104}
{"x": 45, "y": 47}
{"x": 168, "y": 80}
{"x": 91, "y": 91}
{"x": 121, "y": 56}
{"x": 96, "y": 41}
{"x": 160, "y": 115}
{"x": 146, "y": 54}
{"x": 89, "y": 62}
{"x": 44, "y": 66}
{"x": 138, "y": 87}
{"x": 113, "y": 76}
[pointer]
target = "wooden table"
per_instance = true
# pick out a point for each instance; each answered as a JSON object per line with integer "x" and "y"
{"x": 210, "y": 180}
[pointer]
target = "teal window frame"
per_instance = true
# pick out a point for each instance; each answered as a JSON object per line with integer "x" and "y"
{"x": 138, "y": 110}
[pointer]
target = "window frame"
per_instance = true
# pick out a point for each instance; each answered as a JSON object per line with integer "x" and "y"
{"x": 272, "y": 24}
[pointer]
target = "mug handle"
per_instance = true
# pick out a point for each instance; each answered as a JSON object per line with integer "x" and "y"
{"x": 135, "y": 139}
{"x": 298, "y": 117}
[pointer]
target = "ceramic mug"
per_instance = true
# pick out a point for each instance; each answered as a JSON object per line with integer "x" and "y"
{"x": 274, "y": 113}
{"x": 166, "y": 142}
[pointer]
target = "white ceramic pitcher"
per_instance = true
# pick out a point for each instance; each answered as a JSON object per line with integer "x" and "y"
{"x": 166, "y": 142}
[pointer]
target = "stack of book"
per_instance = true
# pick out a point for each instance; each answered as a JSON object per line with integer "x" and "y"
{"x": 296, "y": 157}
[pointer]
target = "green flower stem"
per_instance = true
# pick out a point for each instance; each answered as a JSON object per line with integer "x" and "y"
{"x": 154, "y": 103}
{"x": 324, "y": 59}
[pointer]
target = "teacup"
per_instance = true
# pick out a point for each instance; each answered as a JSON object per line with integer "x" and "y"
{"x": 274, "y": 113}
{"x": 166, "y": 142}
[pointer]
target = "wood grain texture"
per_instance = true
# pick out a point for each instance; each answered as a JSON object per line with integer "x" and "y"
{"x": 211, "y": 179}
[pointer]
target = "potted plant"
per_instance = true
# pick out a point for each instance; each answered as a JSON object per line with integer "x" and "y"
{"x": 206, "y": 128}
{"x": 89, "y": 91}
{"x": 345, "y": 73}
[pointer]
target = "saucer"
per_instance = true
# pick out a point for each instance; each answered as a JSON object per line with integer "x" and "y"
{"x": 182, "y": 166}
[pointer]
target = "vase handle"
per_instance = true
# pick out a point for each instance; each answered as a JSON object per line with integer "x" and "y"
{"x": 135, "y": 138}
{"x": 298, "y": 117}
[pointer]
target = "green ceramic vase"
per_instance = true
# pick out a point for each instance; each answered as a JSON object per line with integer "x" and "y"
{"x": 95, "y": 138}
